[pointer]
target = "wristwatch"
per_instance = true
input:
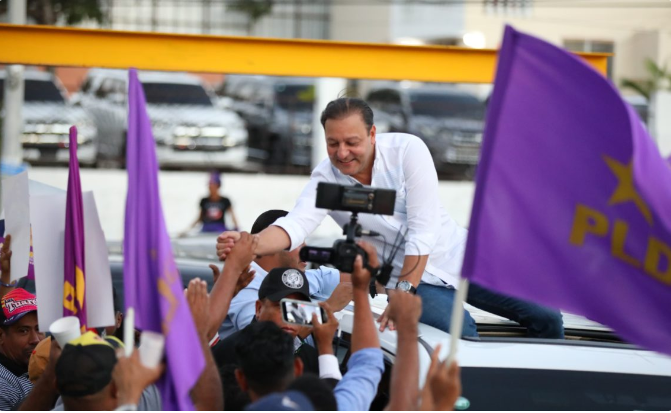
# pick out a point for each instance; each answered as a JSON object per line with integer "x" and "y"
{"x": 406, "y": 287}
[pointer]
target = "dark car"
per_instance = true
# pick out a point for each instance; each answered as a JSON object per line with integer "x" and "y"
{"x": 279, "y": 115}
{"x": 449, "y": 120}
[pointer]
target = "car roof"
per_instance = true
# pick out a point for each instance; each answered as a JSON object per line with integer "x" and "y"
{"x": 32, "y": 75}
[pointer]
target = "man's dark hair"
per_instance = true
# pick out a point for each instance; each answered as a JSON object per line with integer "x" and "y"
{"x": 234, "y": 398}
{"x": 265, "y": 354}
{"x": 267, "y": 219}
{"x": 317, "y": 391}
{"x": 343, "y": 107}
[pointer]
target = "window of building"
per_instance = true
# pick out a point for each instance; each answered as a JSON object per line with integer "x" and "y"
{"x": 592, "y": 46}
{"x": 509, "y": 7}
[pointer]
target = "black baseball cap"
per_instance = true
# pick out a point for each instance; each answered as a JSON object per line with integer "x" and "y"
{"x": 85, "y": 366}
{"x": 267, "y": 219}
{"x": 281, "y": 282}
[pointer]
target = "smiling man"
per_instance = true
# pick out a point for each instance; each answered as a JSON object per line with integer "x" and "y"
{"x": 19, "y": 335}
{"x": 428, "y": 262}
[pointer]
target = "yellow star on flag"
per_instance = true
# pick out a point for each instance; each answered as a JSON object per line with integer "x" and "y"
{"x": 625, "y": 190}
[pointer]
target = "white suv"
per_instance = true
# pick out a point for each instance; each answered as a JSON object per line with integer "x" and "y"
{"x": 47, "y": 118}
{"x": 504, "y": 370}
{"x": 189, "y": 129}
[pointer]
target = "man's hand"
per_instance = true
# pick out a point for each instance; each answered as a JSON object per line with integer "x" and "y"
{"x": 361, "y": 276}
{"x": 245, "y": 278}
{"x": 199, "y": 303}
{"x": 131, "y": 377}
{"x": 324, "y": 333}
{"x": 404, "y": 310}
{"x": 242, "y": 253}
{"x": 225, "y": 242}
{"x": 341, "y": 296}
{"x": 6, "y": 259}
{"x": 385, "y": 321}
{"x": 443, "y": 385}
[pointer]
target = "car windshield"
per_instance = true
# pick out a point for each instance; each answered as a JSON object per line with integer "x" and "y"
{"x": 38, "y": 91}
{"x": 446, "y": 105}
{"x": 295, "y": 97}
{"x": 176, "y": 94}
{"x": 530, "y": 389}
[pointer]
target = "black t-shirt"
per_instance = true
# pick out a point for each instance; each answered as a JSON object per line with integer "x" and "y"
{"x": 214, "y": 211}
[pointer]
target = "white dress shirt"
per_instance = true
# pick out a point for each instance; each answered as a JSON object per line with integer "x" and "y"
{"x": 403, "y": 163}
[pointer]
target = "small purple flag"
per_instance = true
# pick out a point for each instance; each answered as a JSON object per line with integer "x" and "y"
{"x": 152, "y": 284}
{"x": 573, "y": 200}
{"x": 74, "y": 283}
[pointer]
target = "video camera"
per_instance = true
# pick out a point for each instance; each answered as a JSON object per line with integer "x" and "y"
{"x": 354, "y": 199}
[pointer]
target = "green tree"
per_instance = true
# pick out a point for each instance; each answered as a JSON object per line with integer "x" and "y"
{"x": 254, "y": 9}
{"x": 48, "y": 12}
{"x": 659, "y": 79}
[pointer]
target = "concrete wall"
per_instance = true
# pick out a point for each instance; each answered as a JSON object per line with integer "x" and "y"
{"x": 360, "y": 23}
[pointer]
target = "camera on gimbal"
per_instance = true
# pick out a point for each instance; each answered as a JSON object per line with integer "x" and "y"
{"x": 354, "y": 199}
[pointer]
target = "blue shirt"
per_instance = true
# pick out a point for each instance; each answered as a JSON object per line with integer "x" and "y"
{"x": 243, "y": 307}
{"x": 358, "y": 387}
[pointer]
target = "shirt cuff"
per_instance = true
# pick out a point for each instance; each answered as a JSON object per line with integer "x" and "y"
{"x": 293, "y": 229}
{"x": 329, "y": 368}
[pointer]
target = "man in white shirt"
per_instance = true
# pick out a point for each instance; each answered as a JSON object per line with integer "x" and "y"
{"x": 429, "y": 260}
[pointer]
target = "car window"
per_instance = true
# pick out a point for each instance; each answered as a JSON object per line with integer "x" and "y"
{"x": 295, "y": 97}
{"x": 176, "y": 94}
{"x": 447, "y": 105}
{"x": 530, "y": 389}
{"x": 388, "y": 100}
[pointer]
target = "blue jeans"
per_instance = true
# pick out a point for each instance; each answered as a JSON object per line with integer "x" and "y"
{"x": 437, "y": 301}
{"x": 541, "y": 322}
{"x": 437, "y": 304}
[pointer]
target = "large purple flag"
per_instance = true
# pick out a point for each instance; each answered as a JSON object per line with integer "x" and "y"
{"x": 74, "y": 283}
{"x": 573, "y": 200}
{"x": 152, "y": 284}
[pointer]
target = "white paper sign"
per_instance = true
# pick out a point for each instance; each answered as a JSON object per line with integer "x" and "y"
{"x": 48, "y": 223}
{"x": 15, "y": 201}
{"x": 48, "y": 212}
{"x": 99, "y": 298}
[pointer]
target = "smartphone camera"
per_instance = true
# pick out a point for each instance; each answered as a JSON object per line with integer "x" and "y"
{"x": 300, "y": 312}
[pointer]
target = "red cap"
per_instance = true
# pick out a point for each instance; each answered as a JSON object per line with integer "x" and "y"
{"x": 16, "y": 304}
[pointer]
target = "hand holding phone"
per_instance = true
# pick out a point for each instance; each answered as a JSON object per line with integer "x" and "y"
{"x": 300, "y": 312}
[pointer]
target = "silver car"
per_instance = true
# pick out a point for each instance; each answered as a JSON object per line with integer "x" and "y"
{"x": 189, "y": 129}
{"x": 47, "y": 118}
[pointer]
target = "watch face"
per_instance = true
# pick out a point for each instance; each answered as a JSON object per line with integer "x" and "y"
{"x": 404, "y": 285}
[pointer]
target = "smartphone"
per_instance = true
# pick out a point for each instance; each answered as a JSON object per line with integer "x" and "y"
{"x": 300, "y": 312}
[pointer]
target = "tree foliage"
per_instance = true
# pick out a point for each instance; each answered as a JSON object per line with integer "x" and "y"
{"x": 48, "y": 12}
{"x": 659, "y": 79}
{"x": 254, "y": 9}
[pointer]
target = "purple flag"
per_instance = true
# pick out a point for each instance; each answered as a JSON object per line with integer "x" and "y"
{"x": 152, "y": 284}
{"x": 573, "y": 200}
{"x": 74, "y": 282}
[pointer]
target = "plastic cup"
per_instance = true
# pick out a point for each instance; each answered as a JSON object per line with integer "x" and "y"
{"x": 151, "y": 348}
{"x": 65, "y": 330}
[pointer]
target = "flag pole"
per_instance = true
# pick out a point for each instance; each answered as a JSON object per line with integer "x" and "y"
{"x": 457, "y": 321}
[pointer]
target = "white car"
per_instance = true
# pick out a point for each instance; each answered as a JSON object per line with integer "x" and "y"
{"x": 504, "y": 370}
{"x": 189, "y": 129}
{"x": 47, "y": 118}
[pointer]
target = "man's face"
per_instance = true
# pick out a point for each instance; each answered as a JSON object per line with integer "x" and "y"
{"x": 292, "y": 259}
{"x": 19, "y": 340}
{"x": 267, "y": 310}
{"x": 351, "y": 147}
